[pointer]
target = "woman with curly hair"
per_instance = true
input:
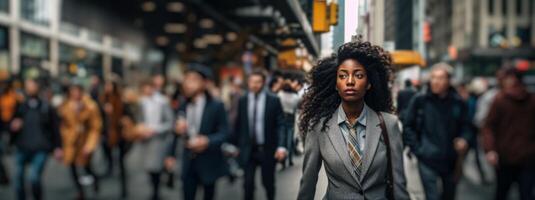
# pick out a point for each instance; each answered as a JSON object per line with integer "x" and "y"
{"x": 348, "y": 127}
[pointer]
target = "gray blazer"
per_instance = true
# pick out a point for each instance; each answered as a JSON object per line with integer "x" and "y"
{"x": 328, "y": 147}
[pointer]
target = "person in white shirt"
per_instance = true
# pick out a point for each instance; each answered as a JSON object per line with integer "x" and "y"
{"x": 157, "y": 122}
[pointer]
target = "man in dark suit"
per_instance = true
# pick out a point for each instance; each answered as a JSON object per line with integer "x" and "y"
{"x": 202, "y": 122}
{"x": 260, "y": 134}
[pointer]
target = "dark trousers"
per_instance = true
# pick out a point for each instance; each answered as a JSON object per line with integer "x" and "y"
{"x": 108, "y": 156}
{"x": 523, "y": 175}
{"x": 37, "y": 162}
{"x": 191, "y": 181}
{"x": 76, "y": 179}
{"x": 124, "y": 146}
{"x": 289, "y": 123}
{"x": 155, "y": 181}
{"x": 4, "y": 175}
{"x": 123, "y": 150}
{"x": 258, "y": 158}
{"x": 429, "y": 181}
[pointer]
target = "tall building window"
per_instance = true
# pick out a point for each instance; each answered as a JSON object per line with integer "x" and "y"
{"x": 117, "y": 66}
{"x": 4, "y": 49}
{"x": 519, "y": 7}
{"x": 504, "y": 7}
{"x": 69, "y": 29}
{"x": 4, "y": 6}
{"x": 116, "y": 43}
{"x": 491, "y": 7}
{"x": 36, "y": 11}
{"x": 95, "y": 37}
{"x": 531, "y": 7}
{"x": 33, "y": 46}
{"x": 524, "y": 34}
{"x": 34, "y": 50}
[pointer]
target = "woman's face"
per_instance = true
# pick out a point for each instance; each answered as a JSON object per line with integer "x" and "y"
{"x": 351, "y": 81}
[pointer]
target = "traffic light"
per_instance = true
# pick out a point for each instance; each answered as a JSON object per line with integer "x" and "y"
{"x": 320, "y": 20}
{"x": 333, "y": 13}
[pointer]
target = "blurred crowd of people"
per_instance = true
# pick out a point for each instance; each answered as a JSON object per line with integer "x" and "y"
{"x": 443, "y": 121}
{"x": 227, "y": 131}
{"x": 233, "y": 130}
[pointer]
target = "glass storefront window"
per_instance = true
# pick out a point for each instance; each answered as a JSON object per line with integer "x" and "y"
{"x": 117, "y": 66}
{"x": 524, "y": 34}
{"x": 116, "y": 44}
{"x": 95, "y": 37}
{"x": 34, "y": 52}
{"x": 36, "y": 11}
{"x": 33, "y": 46}
{"x": 69, "y": 29}
{"x": 4, "y": 50}
{"x": 79, "y": 63}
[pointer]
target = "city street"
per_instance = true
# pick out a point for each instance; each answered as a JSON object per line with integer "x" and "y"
{"x": 58, "y": 184}
{"x": 81, "y": 77}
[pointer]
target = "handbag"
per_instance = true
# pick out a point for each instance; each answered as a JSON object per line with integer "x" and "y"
{"x": 390, "y": 174}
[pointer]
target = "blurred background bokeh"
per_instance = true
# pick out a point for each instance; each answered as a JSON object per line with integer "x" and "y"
{"x": 89, "y": 42}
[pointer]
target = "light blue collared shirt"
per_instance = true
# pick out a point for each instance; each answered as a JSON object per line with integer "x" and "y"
{"x": 360, "y": 126}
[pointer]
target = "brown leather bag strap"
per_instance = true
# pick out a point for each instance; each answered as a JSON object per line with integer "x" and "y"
{"x": 390, "y": 176}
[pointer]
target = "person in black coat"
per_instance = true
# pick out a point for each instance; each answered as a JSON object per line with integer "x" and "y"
{"x": 202, "y": 123}
{"x": 436, "y": 129}
{"x": 260, "y": 134}
{"x": 35, "y": 135}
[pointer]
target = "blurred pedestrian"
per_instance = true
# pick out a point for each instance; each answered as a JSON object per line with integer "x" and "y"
{"x": 202, "y": 123}
{"x": 158, "y": 80}
{"x": 232, "y": 93}
{"x": 128, "y": 134}
{"x": 290, "y": 100}
{"x": 113, "y": 111}
{"x": 177, "y": 98}
{"x": 348, "y": 127}
{"x": 80, "y": 127}
{"x": 475, "y": 89}
{"x": 486, "y": 99}
{"x": 509, "y": 137}
{"x": 36, "y": 134}
{"x": 260, "y": 135}
{"x": 404, "y": 97}
{"x": 95, "y": 87}
{"x": 437, "y": 130}
{"x": 9, "y": 100}
{"x": 156, "y": 122}
{"x": 276, "y": 82}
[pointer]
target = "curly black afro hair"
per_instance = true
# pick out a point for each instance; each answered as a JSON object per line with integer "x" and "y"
{"x": 321, "y": 99}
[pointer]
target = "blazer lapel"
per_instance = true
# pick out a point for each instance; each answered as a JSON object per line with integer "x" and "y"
{"x": 267, "y": 106}
{"x": 373, "y": 134}
{"x": 245, "y": 116}
{"x": 203, "y": 127}
{"x": 339, "y": 144}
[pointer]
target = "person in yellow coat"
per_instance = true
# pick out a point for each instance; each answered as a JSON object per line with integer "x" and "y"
{"x": 80, "y": 128}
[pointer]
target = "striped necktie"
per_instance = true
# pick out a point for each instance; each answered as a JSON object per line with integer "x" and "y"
{"x": 354, "y": 150}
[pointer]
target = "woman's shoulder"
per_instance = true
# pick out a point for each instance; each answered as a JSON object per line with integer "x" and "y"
{"x": 320, "y": 128}
{"x": 391, "y": 121}
{"x": 389, "y": 117}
